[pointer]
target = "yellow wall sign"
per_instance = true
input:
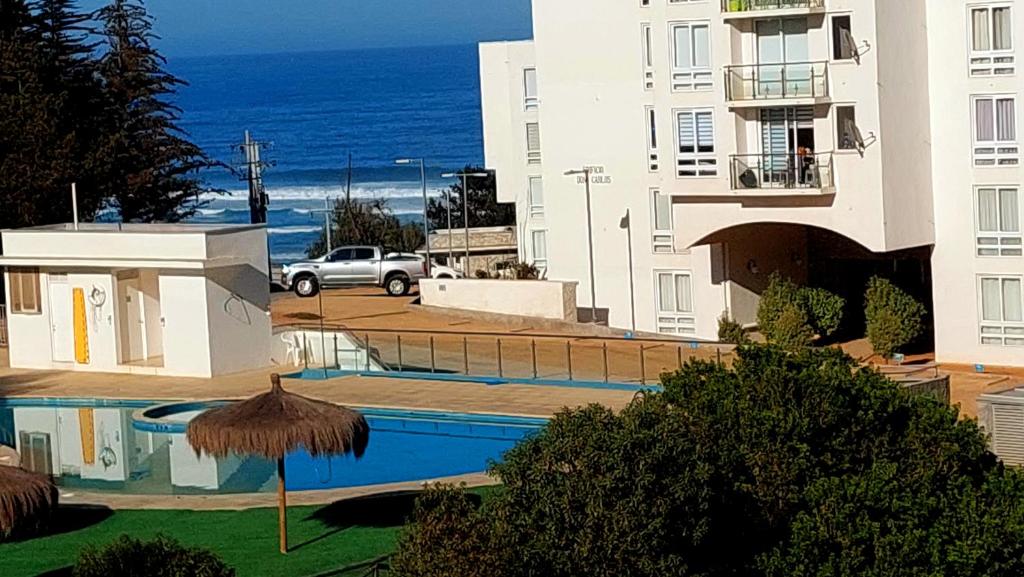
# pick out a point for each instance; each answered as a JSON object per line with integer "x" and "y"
{"x": 87, "y": 430}
{"x": 81, "y": 327}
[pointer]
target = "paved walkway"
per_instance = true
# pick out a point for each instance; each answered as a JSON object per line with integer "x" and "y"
{"x": 258, "y": 500}
{"x": 528, "y": 400}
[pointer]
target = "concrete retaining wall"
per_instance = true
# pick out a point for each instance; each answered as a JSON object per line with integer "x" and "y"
{"x": 532, "y": 298}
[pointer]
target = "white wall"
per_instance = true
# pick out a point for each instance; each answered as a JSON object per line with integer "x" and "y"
{"x": 955, "y": 266}
{"x": 542, "y": 299}
{"x": 239, "y": 325}
{"x": 30, "y": 344}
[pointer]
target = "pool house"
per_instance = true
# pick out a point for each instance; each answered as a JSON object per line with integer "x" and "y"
{"x": 147, "y": 299}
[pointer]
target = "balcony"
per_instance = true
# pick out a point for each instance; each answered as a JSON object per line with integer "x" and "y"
{"x": 786, "y": 84}
{"x": 782, "y": 174}
{"x": 739, "y": 9}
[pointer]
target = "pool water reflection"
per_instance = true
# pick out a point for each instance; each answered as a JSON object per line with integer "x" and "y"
{"x": 99, "y": 446}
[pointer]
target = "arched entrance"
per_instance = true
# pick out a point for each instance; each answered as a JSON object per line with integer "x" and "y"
{"x": 811, "y": 256}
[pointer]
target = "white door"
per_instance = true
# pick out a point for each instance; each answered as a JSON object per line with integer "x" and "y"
{"x": 62, "y": 327}
{"x": 132, "y": 305}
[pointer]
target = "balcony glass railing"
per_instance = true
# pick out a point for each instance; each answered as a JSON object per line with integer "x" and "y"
{"x": 765, "y": 5}
{"x": 784, "y": 171}
{"x": 745, "y": 82}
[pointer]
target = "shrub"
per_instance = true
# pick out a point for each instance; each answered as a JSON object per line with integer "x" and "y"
{"x": 730, "y": 331}
{"x": 894, "y": 318}
{"x": 161, "y": 557}
{"x": 783, "y": 464}
{"x": 482, "y": 274}
{"x": 779, "y": 294}
{"x": 425, "y": 549}
{"x": 822, "y": 310}
{"x": 791, "y": 330}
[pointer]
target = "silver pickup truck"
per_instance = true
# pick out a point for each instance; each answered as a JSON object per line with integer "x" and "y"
{"x": 355, "y": 266}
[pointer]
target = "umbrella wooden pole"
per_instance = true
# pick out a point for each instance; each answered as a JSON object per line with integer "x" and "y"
{"x": 282, "y": 505}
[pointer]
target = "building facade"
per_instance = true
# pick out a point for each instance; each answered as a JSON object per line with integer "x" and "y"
{"x": 146, "y": 299}
{"x": 828, "y": 140}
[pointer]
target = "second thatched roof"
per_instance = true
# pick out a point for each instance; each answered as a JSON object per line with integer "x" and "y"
{"x": 276, "y": 423}
{"x": 26, "y": 499}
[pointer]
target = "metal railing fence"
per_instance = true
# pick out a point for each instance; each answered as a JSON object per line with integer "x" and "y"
{"x": 541, "y": 357}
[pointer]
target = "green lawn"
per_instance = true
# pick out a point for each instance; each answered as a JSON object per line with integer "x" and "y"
{"x": 321, "y": 538}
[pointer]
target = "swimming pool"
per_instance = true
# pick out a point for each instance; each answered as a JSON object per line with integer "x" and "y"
{"x": 139, "y": 447}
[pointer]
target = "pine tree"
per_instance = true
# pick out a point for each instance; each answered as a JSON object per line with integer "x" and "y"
{"x": 153, "y": 171}
{"x": 49, "y": 99}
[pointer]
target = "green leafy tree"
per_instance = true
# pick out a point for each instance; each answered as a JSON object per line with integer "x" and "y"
{"x": 787, "y": 463}
{"x": 153, "y": 173}
{"x": 50, "y": 114}
{"x": 894, "y": 318}
{"x": 368, "y": 223}
{"x": 484, "y": 208}
{"x": 161, "y": 557}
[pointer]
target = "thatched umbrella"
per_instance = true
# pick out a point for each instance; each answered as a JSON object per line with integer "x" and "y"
{"x": 274, "y": 424}
{"x": 25, "y": 498}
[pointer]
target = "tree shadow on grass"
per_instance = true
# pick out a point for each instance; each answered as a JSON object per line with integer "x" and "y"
{"x": 379, "y": 511}
{"x": 66, "y": 519}
{"x": 71, "y": 518}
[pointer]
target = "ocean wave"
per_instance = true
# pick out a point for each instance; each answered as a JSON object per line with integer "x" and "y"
{"x": 294, "y": 229}
{"x": 287, "y": 256}
{"x": 362, "y": 192}
{"x": 211, "y": 211}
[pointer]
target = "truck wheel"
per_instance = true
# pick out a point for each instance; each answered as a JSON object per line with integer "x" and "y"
{"x": 307, "y": 286}
{"x": 397, "y": 286}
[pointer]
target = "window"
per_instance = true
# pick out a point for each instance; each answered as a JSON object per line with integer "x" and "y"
{"x": 362, "y": 254}
{"x": 1002, "y": 317}
{"x": 647, "y": 47}
{"x": 536, "y": 196}
{"x": 846, "y": 129}
{"x": 675, "y": 303}
{"x": 691, "y": 57}
{"x": 696, "y": 144}
{"x": 998, "y": 221}
{"x": 995, "y": 131}
{"x": 651, "y": 122}
{"x": 340, "y": 255}
{"x": 540, "y": 248}
{"x": 991, "y": 40}
{"x": 661, "y": 219}
{"x": 24, "y": 291}
{"x": 530, "y": 88}
{"x": 533, "y": 143}
{"x": 844, "y": 47}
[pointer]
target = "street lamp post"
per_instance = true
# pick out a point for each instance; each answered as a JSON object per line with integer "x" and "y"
{"x": 626, "y": 223}
{"x": 426, "y": 219}
{"x": 585, "y": 172}
{"x": 465, "y": 208}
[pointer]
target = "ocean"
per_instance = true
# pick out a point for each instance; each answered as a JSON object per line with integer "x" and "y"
{"x": 314, "y": 109}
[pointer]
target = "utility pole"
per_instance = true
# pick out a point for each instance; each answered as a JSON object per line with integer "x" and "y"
{"x": 253, "y": 167}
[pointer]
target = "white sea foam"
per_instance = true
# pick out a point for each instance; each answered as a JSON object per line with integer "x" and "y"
{"x": 383, "y": 190}
{"x": 294, "y": 229}
{"x": 211, "y": 211}
{"x": 288, "y": 256}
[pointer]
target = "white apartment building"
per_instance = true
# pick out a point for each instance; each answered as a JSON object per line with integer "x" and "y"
{"x": 829, "y": 140}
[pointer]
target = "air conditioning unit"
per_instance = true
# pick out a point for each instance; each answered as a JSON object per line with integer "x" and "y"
{"x": 1001, "y": 415}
